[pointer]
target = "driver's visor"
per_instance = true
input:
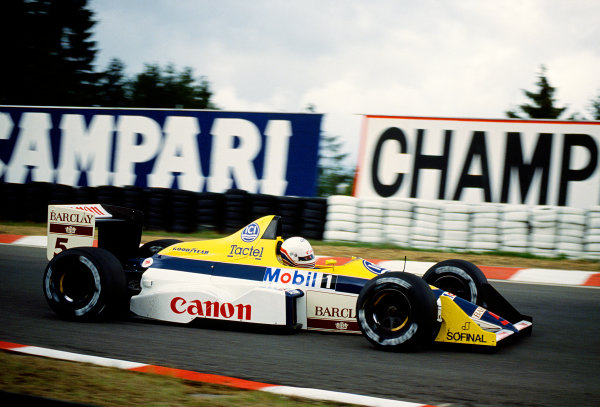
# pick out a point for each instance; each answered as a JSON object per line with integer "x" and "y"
{"x": 306, "y": 258}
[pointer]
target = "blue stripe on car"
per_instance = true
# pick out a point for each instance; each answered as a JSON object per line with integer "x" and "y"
{"x": 345, "y": 284}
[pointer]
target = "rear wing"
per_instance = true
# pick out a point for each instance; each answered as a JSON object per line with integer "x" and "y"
{"x": 119, "y": 230}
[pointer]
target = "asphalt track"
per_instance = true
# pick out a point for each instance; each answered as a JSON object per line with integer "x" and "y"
{"x": 558, "y": 365}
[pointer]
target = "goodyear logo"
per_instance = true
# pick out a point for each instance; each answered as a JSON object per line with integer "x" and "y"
{"x": 250, "y": 232}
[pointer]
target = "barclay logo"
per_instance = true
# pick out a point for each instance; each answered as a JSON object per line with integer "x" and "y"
{"x": 71, "y": 217}
{"x": 341, "y": 325}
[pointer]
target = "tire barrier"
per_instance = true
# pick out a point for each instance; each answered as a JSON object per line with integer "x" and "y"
{"x": 171, "y": 210}
{"x": 237, "y": 210}
{"x": 312, "y": 221}
{"x": 412, "y": 223}
{"x": 548, "y": 231}
{"x": 157, "y": 211}
{"x": 209, "y": 211}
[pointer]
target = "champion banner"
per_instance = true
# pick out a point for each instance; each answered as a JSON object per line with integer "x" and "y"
{"x": 182, "y": 149}
{"x": 533, "y": 162}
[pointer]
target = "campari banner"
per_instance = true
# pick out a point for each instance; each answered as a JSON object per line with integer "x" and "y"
{"x": 533, "y": 162}
{"x": 270, "y": 153}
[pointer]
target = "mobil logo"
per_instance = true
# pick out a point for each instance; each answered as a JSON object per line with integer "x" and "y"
{"x": 374, "y": 268}
{"x": 250, "y": 232}
{"x": 303, "y": 278}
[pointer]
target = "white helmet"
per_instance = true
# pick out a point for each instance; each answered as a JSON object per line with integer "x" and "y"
{"x": 297, "y": 252}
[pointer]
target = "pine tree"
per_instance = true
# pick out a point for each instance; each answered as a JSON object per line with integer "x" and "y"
{"x": 168, "y": 88}
{"x": 542, "y": 106}
{"x": 48, "y": 52}
{"x": 113, "y": 86}
{"x": 334, "y": 178}
{"x": 594, "y": 108}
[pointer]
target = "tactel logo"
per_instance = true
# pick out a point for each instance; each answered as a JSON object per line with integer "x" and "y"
{"x": 250, "y": 232}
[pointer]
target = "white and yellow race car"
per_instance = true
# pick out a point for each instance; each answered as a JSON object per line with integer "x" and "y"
{"x": 241, "y": 278}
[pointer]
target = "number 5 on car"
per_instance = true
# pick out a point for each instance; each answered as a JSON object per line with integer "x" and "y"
{"x": 70, "y": 226}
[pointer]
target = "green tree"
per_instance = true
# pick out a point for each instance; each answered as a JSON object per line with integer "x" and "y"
{"x": 334, "y": 177}
{"x": 168, "y": 88}
{"x": 543, "y": 103}
{"x": 48, "y": 52}
{"x": 594, "y": 108}
{"x": 48, "y": 56}
{"x": 113, "y": 86}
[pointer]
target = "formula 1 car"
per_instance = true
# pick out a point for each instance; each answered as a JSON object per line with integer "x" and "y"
{"x": 241, "y": 278}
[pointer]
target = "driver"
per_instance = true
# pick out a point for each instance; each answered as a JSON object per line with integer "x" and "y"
{"x": 297, "y": 252}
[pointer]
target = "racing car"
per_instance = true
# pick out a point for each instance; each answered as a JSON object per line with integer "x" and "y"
{"x": 241, "y": 278}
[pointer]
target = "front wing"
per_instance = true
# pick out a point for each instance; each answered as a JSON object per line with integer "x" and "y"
{"x": 466, "y": 323}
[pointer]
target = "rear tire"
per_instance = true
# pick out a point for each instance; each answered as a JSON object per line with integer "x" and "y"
{"x": 459, "y": 277}
{"x": 85, "y": 284}
{"x": 151, "y": 248}
{"x": 398, "y": 311}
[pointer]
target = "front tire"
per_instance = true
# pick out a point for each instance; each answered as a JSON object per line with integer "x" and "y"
{"x": 85, "y": 284}
{"x": 460, "y": 278}
{"x": 397, "y": 311}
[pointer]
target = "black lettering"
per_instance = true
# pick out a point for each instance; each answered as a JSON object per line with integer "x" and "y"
{"x": 464, "y": 337}
{"x": 477, "y": 148}
{"x": 566, "y": 173}
{"x": 386, "y": 190}
{"x": 540, "y": 161}
{"x": 431, "y": 162}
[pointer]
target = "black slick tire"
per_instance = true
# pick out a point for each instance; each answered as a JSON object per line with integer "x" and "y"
{"x": 85, "y": 284}
{"x": 398, "y": 311}
{"x": 151, "y": 248}
{"x": 460, "y": 278}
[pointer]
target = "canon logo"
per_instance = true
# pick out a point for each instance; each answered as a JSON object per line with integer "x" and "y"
{"x": 211, "y": 309}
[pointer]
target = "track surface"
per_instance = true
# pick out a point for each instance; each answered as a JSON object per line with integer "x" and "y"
{"x": 558, "y": 365}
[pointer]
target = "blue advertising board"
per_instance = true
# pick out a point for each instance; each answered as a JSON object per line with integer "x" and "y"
{"x": 195, "y": 150}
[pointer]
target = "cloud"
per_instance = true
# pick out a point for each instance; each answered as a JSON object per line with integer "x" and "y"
{"x": 431, "y": 58}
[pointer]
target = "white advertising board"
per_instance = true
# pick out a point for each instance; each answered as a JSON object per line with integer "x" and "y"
{"x": 532, "y": 162}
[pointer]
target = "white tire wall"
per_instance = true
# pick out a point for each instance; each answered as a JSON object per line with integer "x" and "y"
{"x": 449, "y": 225}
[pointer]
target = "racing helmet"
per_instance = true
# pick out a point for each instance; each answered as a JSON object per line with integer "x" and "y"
{"x": 297, "y": 252}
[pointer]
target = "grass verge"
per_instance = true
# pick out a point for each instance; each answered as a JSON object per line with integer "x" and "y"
{"x": 102, "y": 386}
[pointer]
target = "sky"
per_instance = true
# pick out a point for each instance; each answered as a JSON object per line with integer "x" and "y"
{"x": 347, "y": 58}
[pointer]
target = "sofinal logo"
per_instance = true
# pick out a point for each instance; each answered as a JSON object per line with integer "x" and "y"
{"x": 250, "y": 232}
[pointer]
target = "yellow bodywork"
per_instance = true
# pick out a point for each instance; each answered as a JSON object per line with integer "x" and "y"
{"x": 458, "y": 327}
{"x": 260, "y": 252}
